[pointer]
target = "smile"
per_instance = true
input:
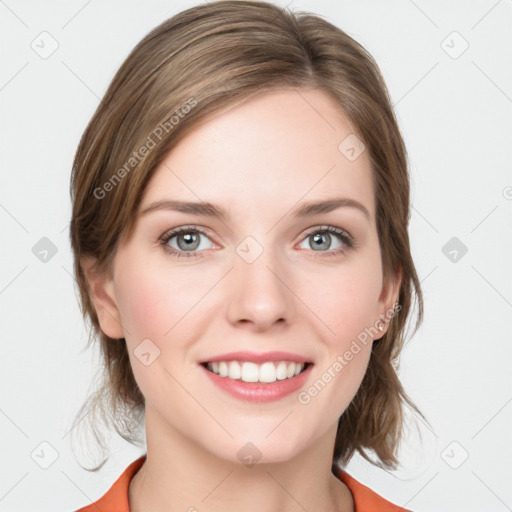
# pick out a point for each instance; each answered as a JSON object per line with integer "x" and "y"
{"x": 247, "y": 371}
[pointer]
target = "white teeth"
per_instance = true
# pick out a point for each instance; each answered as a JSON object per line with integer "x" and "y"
{"x": 235, "y": 370}
{"x": 281, "y": 372}
{"x": 223, "y": 369}
{"x": 267, "y": 372}
{"x": 251, "y": 372}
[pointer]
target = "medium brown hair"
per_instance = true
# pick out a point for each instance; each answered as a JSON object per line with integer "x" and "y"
{"x": 195, "y": 64}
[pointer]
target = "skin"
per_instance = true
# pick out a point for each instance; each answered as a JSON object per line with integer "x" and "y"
{"x": 259, "y": 161}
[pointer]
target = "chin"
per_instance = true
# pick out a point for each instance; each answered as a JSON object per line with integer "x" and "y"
{"x": 248, "y": 449}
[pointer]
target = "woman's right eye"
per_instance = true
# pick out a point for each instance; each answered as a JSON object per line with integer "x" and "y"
{"x": 183, "y": 241}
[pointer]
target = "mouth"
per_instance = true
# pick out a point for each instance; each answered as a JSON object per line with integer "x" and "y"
{"x": 265, "y": 372}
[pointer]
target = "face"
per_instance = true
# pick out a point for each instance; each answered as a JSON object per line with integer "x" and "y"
{"x": 267, "y": 284}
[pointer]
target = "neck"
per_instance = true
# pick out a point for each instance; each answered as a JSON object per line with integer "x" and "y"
{"x": 180, "y": 475}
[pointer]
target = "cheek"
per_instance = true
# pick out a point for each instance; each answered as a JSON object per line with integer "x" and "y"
{"x": 345, "y": 304}
{"x": 165, "y": 306}
{"x": 156, "y": 303}
{"x": 346, "y": 300}
{"x": 139, "y": 300}
{"x": 153, "y": 307}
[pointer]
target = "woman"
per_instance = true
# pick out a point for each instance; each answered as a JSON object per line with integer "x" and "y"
{"x": 239, "y": 227}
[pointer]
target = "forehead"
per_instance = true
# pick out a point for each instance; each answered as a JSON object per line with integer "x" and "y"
{"x": 269, "y": 153}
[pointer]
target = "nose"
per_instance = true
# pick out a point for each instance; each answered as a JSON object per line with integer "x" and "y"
{"x": 259, "y": 293}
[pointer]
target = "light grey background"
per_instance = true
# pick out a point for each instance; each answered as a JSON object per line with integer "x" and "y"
{"x": 454, "y": 108}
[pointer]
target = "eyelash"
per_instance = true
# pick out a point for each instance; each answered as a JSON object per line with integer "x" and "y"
{"x": 345, "y": 237}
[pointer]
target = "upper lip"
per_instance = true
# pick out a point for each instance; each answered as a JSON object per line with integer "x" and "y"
{"x": 255, "y": 357}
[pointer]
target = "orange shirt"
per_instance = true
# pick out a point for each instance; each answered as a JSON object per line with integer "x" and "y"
{"x": 116, "y": 498}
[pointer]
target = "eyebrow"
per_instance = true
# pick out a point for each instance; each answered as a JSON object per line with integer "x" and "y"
{"x": 212, "y": 210}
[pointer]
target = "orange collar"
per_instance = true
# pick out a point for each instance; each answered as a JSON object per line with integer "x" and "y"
{"x": 116, "y": 498}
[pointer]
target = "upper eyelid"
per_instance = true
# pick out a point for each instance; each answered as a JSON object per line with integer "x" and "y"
{"x": 329, "y": 228}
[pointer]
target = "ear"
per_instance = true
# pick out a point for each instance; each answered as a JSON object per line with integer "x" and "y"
{"x": 388, "y": 300}
{"x": 101, "y": 289}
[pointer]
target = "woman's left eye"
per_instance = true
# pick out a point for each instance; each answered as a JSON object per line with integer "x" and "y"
{"x": 321, "y": 238}
{"x": 185, "y": 241}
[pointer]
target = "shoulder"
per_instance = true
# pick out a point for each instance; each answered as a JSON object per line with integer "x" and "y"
{"x": 365, "y": 499}
{"x": 116, "y": 498}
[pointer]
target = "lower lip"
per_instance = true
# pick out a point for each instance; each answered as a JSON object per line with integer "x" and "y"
{"x": 257, "y": 391}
